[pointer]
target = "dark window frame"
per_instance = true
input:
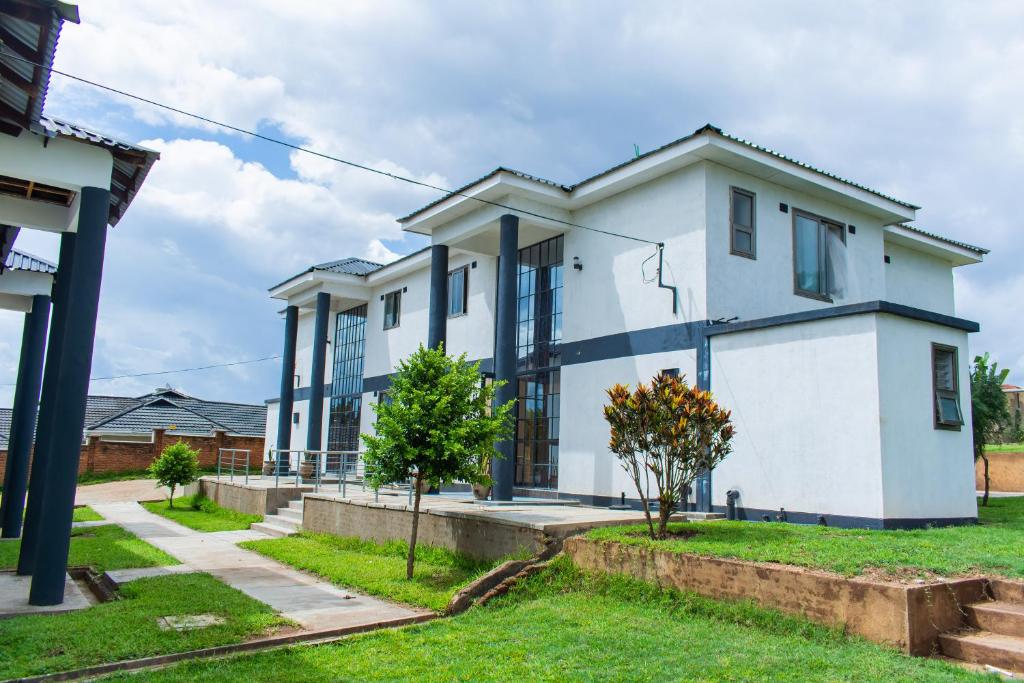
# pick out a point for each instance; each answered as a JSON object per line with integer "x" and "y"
{"x": 940, "y": 393}
{"x": 824, "y": 224}
{"x": 465, "y": 292}
{"x": 397, "y": 294}
{"x": 733, "y": 226}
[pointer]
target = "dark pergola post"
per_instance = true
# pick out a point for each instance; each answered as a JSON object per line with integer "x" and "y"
{"x": 314, "y": 438}
{"x": 284, "y": 414}
{"x": 503, "y": 468}
{"x": 44, "y": 425}
{"x": 437, "y": 317}
{"x": 23, "y": 419}
{"x": 69, "y": 408}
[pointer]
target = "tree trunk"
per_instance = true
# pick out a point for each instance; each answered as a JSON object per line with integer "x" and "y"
{"x": 415, "y": 529}
{"x": 170, "y": 502}
{"x": 984, "y": 498}
{"x": 647, "y": 513}
{"x": 664, "y": 512}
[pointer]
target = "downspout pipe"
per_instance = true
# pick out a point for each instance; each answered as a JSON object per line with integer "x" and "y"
{"x": 661, "y": 281}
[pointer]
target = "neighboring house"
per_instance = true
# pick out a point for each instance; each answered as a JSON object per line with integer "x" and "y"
{"x": 807, "y": 303}
{"x": 1015, "y": 400}
{"x": 124, "y": 433}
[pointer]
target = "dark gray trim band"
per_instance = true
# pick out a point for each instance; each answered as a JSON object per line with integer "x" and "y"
{"x": 849, "y": 521}
{"x": 843, "y": 311}
{"x": 635, "y": 343}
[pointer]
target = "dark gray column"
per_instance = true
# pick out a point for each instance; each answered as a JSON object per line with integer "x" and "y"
{"x": 703, "y": 483}
{"x": 316, "y": 382}
{"x": 69, "y": 408}
{"x": 44, "y": 425}
{"x": 284, "y": 414}
{"x": 437, "y": 319}
{"x": 23, "y": 419}
{"x": 503, "y": 469}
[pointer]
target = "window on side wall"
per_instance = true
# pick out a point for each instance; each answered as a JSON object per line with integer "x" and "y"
{"x": 819, "y": 256}
{"x": 742, "y": 233}
{"x": 946, "y": 393}
{"x": 392, "y": 309}
{"x": 458, "y": 291}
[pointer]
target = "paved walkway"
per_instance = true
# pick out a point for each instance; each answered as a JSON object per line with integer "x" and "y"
{"x": 119, "y": 491}
{"x": 312, "y": 603}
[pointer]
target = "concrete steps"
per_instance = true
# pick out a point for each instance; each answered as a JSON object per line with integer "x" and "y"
{"x": 995, "y": 636}
{"x": 286, "y": 522}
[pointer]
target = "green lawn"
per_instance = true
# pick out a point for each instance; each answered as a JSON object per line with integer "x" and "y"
{"x": 88, "y": 478}
{"x": 209, "y": 516}
{"x": 101, "y": 547}
{"x": 1005, "y": 448}
{"x": 84, "y": 513}
{"x": 566, "y": 626}
{"x": 377, "y": 568}
{"x": 127, "y": 628}
{"x": 994, "y": 546}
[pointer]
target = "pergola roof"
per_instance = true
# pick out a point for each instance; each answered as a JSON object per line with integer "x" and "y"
{"x": 20, "y": 260}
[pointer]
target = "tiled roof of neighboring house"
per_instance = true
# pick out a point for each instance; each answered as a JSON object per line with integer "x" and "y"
{"x": 19, "y": 260}
{"x": 166, "y": 408}
{"x": 5, "y": 427}
{"x": 707, "y": 128}
{"x": 1011, "y": 388}
{"x": 947, "y": 240}
{"x": 132, "y": 163}
{"x": 162, "y": 409}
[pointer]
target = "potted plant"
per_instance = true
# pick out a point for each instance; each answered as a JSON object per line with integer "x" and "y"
{"x": 307, "y": 468}
{"x": 483, "y": 484}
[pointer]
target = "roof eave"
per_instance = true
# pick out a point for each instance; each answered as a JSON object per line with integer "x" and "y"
{"x": 958, "y": 254}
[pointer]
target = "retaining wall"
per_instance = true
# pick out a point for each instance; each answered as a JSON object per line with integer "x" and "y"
{"x": 907, "y": 616}
{"x": 1005, "y": 472}
{"x": 486, "y": 539}
{"x": 251, "y": 500}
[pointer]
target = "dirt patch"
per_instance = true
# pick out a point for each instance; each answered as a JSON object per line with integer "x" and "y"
{"x": 669, "y": 535}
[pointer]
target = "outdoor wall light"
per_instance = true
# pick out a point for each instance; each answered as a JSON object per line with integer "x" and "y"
{"x": 576, "y": 263}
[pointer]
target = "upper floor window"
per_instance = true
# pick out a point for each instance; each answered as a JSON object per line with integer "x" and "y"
{"x": 458, "y": 291}
{"x": 946, "y": 387}
{"x": 742, "y": 231}
{"x": 819, "y": 265}
{"x": 392, "y": 309}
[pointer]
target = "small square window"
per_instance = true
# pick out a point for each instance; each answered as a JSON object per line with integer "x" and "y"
{"x": 946, "y": 388}
{"x": 392, "y": 309}
{"x": 742, "y": 241}
{"x": 458, "y": 291}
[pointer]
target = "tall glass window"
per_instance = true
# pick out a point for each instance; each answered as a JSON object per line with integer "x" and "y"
{"x": 538, "y": 336}
{"x": 347, "y": 380}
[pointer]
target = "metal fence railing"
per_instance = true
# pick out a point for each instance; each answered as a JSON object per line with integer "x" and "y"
{"x": 324, "y": 468}
{"x": 233, "y": 459}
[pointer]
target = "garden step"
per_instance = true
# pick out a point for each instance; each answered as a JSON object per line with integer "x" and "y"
{"x": 295, "y": 504}
{"x": 983, "y": 647}
{"x": 290, "y": 513}
{"x": 1006, "y": 618}
{"x": 276, "y": 526}
{"x": 1007, "y": 591}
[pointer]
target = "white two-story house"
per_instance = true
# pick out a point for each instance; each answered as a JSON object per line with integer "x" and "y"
{"x": 807, "y": 303}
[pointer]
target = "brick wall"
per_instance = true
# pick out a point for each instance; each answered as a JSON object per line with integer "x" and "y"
{"x": 110, "y": 456}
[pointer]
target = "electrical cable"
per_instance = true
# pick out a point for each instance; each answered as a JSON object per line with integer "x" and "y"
{"x": 394, "y": 176}
{"x": 174, "y": 372}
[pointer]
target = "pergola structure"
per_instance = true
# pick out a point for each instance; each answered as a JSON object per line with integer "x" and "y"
{"x": 61, "y": 178}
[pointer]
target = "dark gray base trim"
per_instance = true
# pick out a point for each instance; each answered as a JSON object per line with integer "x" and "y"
{"x": 843, "y": 311}
{"x": 848, "y": 521}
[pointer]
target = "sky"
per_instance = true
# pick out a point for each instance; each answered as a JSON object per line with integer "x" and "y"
{"x": 921, "y": 100}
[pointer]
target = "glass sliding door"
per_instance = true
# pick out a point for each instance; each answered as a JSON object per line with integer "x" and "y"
{"x": 538, "y": 339}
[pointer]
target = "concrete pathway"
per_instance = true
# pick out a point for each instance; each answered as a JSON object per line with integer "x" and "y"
{"x": 128, "y": 490}
{"x": 312, "y": 603}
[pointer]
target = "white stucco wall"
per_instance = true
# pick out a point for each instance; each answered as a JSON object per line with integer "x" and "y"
{"x": 384, "y": 348}
{"x": 585, "y": 466}
{"x": 927, "y": 472}
{"x": 804, "y": 401}
{"x": 749, "y": 289}
{"x": 917, "y": 279}
{"x": 473, "y": 333}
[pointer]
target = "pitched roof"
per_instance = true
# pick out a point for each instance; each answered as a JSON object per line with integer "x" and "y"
{"x": 706, "y": 129}
{"x": 348, "y": 266}
{"x": 947, "y": 240}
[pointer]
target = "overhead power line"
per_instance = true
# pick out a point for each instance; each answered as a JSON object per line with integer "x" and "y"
{"x": 174, "y": 372}
{"x": 394, "y": 176}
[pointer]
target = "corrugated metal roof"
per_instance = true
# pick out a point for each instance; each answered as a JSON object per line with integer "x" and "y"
{"x": 947, "y": 240}
{"x": 706, "y": 129}
{"x": 19, "y": 260}
{"x": 32, "y": 27}
{"x": 348, "y": 266}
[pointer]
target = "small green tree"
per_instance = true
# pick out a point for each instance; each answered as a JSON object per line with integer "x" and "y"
{"x": 178, "y": 465}
{"x": 666, "y": 434}
{"x": 436, "y": 428}
{"x": 989, "y": 411}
